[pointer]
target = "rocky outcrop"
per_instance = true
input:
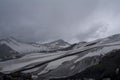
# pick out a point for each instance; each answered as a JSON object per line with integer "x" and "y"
{"x": 15, "y": 76}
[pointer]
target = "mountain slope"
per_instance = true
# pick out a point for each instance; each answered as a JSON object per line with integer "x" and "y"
{"x": 19, "y": 46}
{"x": 107, "y": 68}
{"x": 77, "y": 59}
{"x": 23, "y": 47}
{"x": 58, "y": 44}
{"x": 7, "y": 53}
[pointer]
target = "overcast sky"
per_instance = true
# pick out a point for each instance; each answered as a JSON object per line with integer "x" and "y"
{"x": 47, "y": 20}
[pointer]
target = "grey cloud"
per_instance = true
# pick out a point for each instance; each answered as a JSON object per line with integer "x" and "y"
{"x": 91, "y": 32}
{"x": 44, "y": 20}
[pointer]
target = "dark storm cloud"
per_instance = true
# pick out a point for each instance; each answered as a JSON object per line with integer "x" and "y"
{"x": 45, "y": 20}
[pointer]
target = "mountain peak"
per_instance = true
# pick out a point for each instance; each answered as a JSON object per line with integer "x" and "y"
{"x": 59, "y": 42}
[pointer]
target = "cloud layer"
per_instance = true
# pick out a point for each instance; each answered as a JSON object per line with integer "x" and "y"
{"x": 71, "y": 20}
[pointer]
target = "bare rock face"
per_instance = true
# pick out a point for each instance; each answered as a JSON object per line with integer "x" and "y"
{"x": 15, "y": 76}
{"x": 7, "y": 53}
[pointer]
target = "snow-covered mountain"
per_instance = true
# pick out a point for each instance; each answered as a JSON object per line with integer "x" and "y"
{"x": 21, "y": 47}
{"x": 58, "y": 44}
{"x": 65, "y": 64}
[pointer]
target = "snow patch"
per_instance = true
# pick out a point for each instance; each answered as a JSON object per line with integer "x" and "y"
{"x": 98, "y": 53}
{"x": 55, "y": 64}
{"x": 16, "y": 64}
{"x": 72, "y": 67}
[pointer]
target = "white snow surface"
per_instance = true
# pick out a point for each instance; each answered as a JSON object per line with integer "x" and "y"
{"x": 22, "y": 47}
{"x": 16, "y": 64}
{"x": 99, "y": 52}
{"x": 54, "y": 64}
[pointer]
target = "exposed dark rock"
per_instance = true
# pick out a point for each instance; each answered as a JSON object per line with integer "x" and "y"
{"x": 90, "y": 44}
{"x": 15, "y": 76}
{"x": 7, "y": 53}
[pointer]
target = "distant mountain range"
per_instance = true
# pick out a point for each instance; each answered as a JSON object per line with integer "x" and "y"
{"x": 59, "y": 60}
{"x": 10, "y": 47}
